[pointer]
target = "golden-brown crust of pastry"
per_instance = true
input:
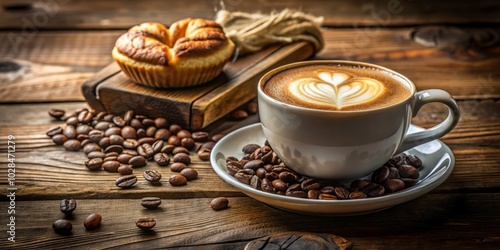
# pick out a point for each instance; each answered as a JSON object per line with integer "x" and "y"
{"x": 151, "y": 42}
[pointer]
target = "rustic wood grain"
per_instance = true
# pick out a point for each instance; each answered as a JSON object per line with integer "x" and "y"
{"x": 77, "y": 14}
{"x": 59, "y": 63}
{"x": 46, "y": 171}
{"x": 453, "y": 221}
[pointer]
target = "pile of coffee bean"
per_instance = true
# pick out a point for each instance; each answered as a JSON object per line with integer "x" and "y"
{"x": 122, "y": 143}
{"x": 262, "y": 169}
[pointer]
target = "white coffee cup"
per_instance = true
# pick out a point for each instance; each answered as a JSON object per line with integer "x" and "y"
{"x": 328, "y": 144}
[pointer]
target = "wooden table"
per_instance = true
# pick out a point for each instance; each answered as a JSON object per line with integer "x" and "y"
{"x": 452, "y": 45}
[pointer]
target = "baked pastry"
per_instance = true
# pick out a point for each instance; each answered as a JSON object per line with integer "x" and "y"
{"x": 190, "y": 52}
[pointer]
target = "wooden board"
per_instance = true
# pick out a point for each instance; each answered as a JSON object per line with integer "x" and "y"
{"x": 194, "y": 107}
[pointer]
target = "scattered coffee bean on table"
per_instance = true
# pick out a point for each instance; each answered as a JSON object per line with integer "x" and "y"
{"x": 177, "y": 180}
{"x": 63, "y": 227}
{"x": 150, "y": 202}
{"x": 67, "y": 206}
{"x": 219, "y": 203}
{"x": 126, "y": 181}
{"x": 92, "y": 221}
{"x": 152, "y": 175}
{"x": 145, "y": 223}
{"x": 261, "y": 169}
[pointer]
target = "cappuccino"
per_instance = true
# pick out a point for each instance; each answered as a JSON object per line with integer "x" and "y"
{"x": 337, "y": 87}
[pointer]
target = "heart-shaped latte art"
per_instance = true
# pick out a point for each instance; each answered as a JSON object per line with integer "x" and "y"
{"x": 336, "y": 89}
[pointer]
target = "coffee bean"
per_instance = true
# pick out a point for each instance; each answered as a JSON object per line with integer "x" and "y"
{"x": 70, "y": 132}
{"x": 393, "y": 173}
{"x": 96, "y": 154}
{"x": 130, "y": 144}
{"x": 72, "y": 121}
{"x": 161, "y": 159}
{"x": 112, "y": 154}
{"x": 146, "y": 150}
{"x": 177, "y": 166}
{"x": 114, "y": 148}
{"x": 150, "y": 132}
{"x": 167, "y": 149}
{"x": 183, "y": 134}
{"x": 239, "y": 114}
{"x": 210, "y": 145}
{"x": 357, "y": 195}
{"x": 267, "y": 186}
{"x": 104, "y": 142}
{"x": 96, "y": 135}
{"x": 135, "y": 123}
{"x": 157, "y": 146}
{"x": 161, "y": 122}
{"x": 313, "y": 194}
{"x": 110, "y": 158}
{"x": 357, "y": 185}
{"x": 92, "y": 221}
{"x": 272, "y": 176}
{"x": 296, "y": 193}
{"x": 128, "y": 116}
{"x": 150, "y": 202}
{"x": 397, "y": 160}
{"x": 204, "y": 154}
{"x": 189, "y": 173}
{"x": 199, "y": 136}
{"x": 252, "y": 108}
{"x": 59, "y": 139}
{"x": 250, "y": 148}
{"x": 152, "y": 175}
{"x": 219, "y": 203}
{"x": 180, "y": 150}
{"x": 255, "y": 182}
{"x": 91, "y": 147}
{"x": 310, "y": 184}
{"x": 146, "y": 140}
{"x": 279, "y": 185}
{"x": 112, "y": 131}
{"x": 187, "y": 143}
{"x": 409, "y": 182}
{"x": 124, "y": 158}
{"x": 57, "y": 113}
{"x": 233, "y": 168}
{"x": 162, "y": 134}
{"x": 125, "y": 169}
{"x": 414, "y": 161}
{"x": 174, "y": 128}
{"x": 83, "y": 129}
{"x": 63, "y": 227}
{"x": 94, "y": 163}
{"x": 393, "y": 185}
{"x": 111, "y": 166}
{"x": 141, "y": 133}
{"x": 373, "y": 190}
{"x": 67, "y": 206}
{"x": 177, "y": 180}
{"x": 116, "y": 139}
{"x": 85, "y": 117}
{"x": 341, "y": 193}
{"x": 380, "y": 175}
{"x": 254, "y": 164}
{"x": 126, "y": 181}
{"x": 148, "y": 122}
{"x": 182, "y": 157}
{"x": 217, "y": 137}
{"x": 128, "y": 132}
{"x": 108, "y": 117}
{"x": 102, "y": 125}
{"x": 145, "y": 223}
{"x": 327, "y": 197}
{"x": 288, "y": 176}
{"x": 72, "y": 145}
{"x": 408, "y": 171}
{"x": 118, "y": 121}
{"x": 137, "y": 161}
{"x": 244, "y": 175}
{"x": 54, "y": 131}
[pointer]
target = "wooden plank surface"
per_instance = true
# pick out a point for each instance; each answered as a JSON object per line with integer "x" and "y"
{"x": 48, "y": 172}
{"x": 454, "y": 221}
{"x": 57, "y": 64}
{"x": 95, "y": 14}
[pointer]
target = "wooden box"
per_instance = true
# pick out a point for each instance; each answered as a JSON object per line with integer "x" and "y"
{"x": 195, "y": 107}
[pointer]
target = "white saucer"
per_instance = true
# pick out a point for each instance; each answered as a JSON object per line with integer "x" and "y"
{"x": 437, "y": 159}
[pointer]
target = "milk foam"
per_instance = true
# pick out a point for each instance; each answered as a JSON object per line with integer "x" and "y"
{"x": 337, "y": 89}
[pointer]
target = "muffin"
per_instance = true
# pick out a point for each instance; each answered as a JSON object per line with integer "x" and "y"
{"x": 190, "y": 52}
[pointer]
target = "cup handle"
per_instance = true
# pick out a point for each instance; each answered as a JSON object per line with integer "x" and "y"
{"x": 427, "y": 96}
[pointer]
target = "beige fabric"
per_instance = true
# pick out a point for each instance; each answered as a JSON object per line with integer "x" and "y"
{"x": 251, "y": 32}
